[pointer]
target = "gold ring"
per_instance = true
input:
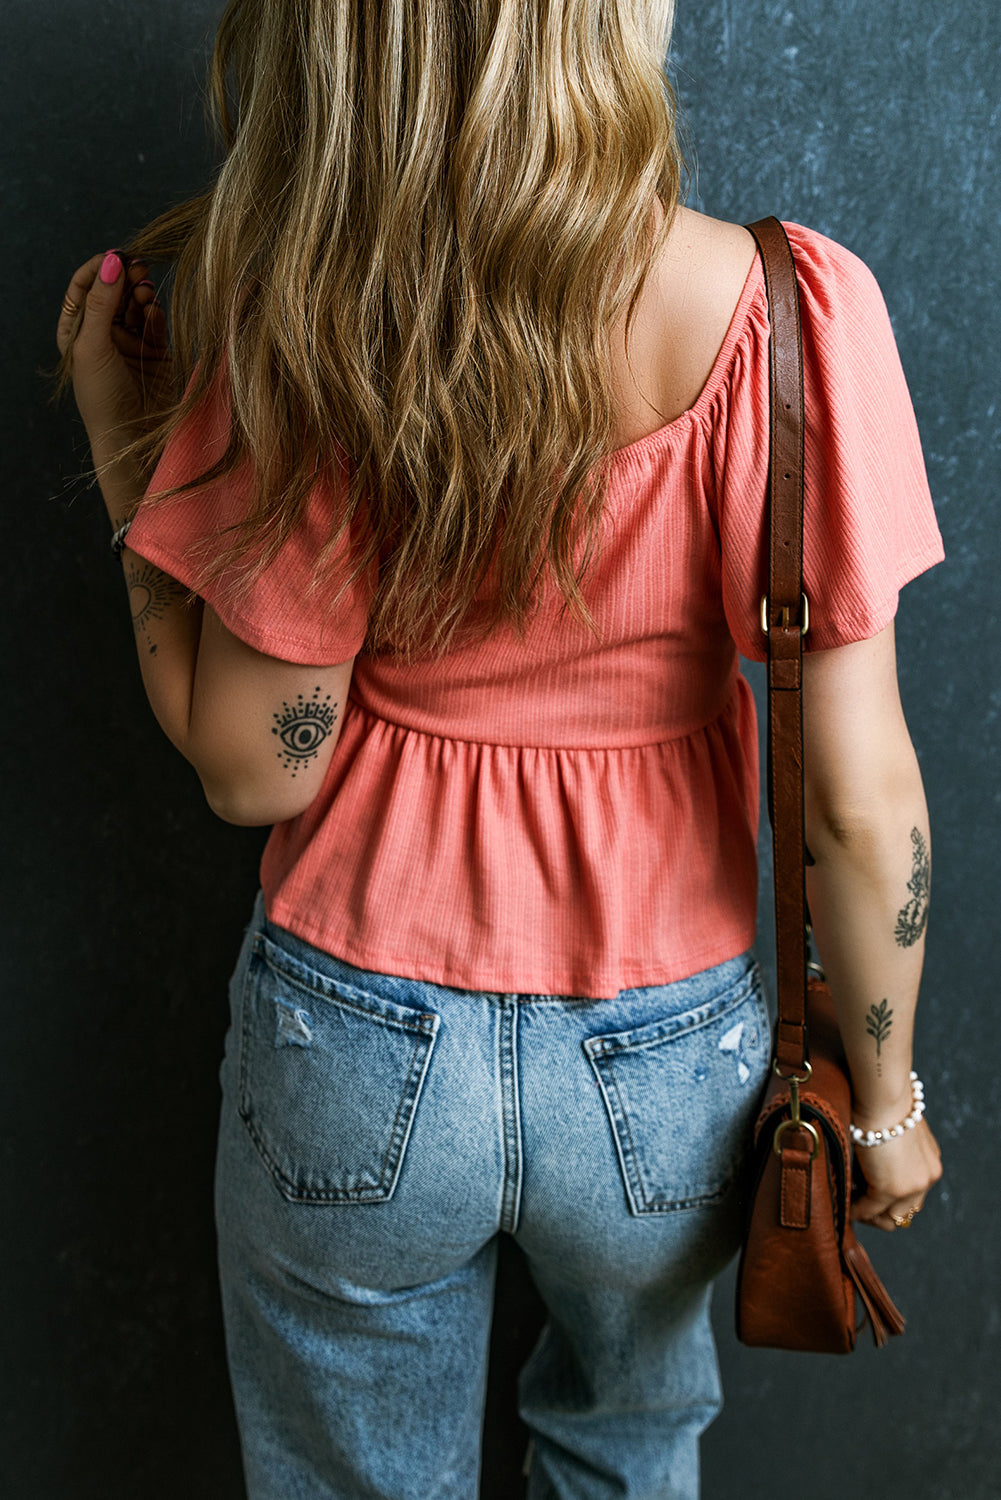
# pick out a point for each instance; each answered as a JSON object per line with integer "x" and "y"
{"x": 69, "y": 306}
{"x": 905, "y": 1221}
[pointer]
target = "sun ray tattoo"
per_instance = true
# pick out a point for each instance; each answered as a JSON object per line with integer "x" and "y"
{"x": 302, "y": 727}
{"x": 151, "y": 594}
{"x": 878, "y": 1024}
{"x": 911, "y": 919}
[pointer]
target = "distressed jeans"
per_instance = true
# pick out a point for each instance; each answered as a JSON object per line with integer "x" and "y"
{"x": 376, "y": 1136}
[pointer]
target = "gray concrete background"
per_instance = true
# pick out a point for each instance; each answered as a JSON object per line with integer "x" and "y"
{"x": 876, "y": 124}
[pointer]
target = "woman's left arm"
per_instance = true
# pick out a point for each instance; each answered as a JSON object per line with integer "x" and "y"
{"x": 259, "y": 731}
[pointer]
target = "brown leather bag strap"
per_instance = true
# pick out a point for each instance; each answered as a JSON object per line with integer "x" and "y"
{"x": 785, "y": 618}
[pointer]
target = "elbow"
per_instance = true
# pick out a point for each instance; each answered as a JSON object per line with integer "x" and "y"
{"x": 831, "y": 834}
{"x": 862, "y": 830}
{"x": 246, "y": 806}
{"x": 856, "y": 803}
{"x": 240, "y": 814}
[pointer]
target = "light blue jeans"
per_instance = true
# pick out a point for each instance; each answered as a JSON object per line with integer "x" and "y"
{"x": 378, "y": 1133}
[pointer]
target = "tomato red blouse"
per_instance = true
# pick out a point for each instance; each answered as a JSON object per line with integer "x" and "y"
{"x": 569, "y": 815}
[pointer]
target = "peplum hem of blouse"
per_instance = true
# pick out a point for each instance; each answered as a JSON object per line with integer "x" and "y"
{"x": 512, "y": 869}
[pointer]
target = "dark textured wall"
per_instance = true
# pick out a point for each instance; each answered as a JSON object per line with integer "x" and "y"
{"x": 125, "y": 898}
{"x": 877, "y": 124}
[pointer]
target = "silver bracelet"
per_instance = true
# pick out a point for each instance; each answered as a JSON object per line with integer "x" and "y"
{"x": 880, "y": 1137}
{"x": 118, "y": 540}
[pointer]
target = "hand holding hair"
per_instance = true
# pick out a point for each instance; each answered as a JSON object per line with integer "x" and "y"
{"x": 116, "y": 333}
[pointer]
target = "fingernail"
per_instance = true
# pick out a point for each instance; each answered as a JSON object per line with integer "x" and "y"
{"x": 111, "y": 268}
{"x": 147, "y": 282}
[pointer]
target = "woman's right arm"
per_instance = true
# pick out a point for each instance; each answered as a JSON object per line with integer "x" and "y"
{"x": 868, "y": 892}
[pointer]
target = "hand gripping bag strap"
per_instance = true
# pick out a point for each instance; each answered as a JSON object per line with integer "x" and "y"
{"x": 801, "y": 1264}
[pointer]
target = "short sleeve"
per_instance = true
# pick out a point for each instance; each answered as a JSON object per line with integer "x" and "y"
{"x": 869, "y": 522}
{"x": 279, "y": 614}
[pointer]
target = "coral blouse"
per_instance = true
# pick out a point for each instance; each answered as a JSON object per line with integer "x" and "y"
{"x": 570, "y": 816}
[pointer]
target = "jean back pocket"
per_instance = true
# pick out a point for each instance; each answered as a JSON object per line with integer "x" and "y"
{"x": 682, "y": 1094}
{"x": 330, "y": 1078}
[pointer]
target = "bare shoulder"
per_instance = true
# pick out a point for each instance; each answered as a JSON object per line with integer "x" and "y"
{"x": 701, "y": 275}
{"x": 706, "y": 259}
{"x": 682, "y": 319}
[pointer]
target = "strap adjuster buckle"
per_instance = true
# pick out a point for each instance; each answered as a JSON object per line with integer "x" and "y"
{"x": 785, "y": 623}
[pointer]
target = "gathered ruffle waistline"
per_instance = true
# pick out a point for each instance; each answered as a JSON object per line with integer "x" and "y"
{"x": 654, "y": 739}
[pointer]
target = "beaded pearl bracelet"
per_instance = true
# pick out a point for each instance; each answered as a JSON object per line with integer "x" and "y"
{"x": 880, "y": 1137}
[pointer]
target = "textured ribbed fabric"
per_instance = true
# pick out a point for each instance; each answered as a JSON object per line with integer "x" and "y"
{"x": 570, "y": 816}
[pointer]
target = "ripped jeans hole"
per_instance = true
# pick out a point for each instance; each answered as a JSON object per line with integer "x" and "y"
{"x": 294, "y": 1027}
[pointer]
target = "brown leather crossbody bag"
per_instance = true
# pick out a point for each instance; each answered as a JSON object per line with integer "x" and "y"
{"x": 801, "y": 1266}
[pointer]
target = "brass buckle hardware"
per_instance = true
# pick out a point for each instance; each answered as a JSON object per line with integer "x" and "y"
{"x": 785, "y": 622}
{"x": 792, "y": 1078}
{"x": 797, "y": 1125}
{"x": 795, "y": 1122}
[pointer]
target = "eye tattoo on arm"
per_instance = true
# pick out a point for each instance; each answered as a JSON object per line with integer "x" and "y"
{"x": 151, "y": 593}
{"x": 911, "y": 919}
{"x": 302, "y": 727}
{"x": 878, "y": 1024}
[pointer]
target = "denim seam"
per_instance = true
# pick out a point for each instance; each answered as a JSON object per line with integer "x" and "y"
{"x": 404, "y": 1120}
{"x": 510, "y": 1116}
{"x": 631, "y": 1177}
{"x": 670, "y": 1028}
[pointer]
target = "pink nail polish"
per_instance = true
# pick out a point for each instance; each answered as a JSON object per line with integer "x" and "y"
{"x": 111, "y": 268}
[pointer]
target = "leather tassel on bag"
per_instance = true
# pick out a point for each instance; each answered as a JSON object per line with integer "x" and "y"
{"x": 801, "y": 1267}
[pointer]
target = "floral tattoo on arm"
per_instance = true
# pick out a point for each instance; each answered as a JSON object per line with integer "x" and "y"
{"x": 912, "y": 918}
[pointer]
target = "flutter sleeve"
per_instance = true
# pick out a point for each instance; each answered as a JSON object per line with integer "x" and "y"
{"x": 279, "y": 614}
{"x": 869, "y": 522}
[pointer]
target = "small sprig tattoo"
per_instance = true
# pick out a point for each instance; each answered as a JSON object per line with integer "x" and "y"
{"x": 878, "y": 1024}
{"x": 912, "y": 918}
{"x": 151, "y": 594}
{"x": 302, "y": 727}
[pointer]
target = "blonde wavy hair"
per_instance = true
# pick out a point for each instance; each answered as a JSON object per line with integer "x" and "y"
{"x": 429, "y": 216}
